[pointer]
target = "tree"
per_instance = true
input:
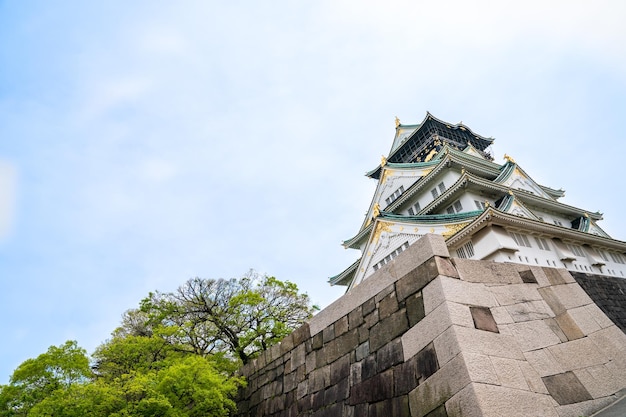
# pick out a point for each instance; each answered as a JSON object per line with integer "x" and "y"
{"x": 239, "y": 317}
{"x": 36, "y": 379}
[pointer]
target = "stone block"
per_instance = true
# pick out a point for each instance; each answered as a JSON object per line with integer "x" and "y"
{"x": 387, "y": 306}
{"x": 510, "y": 373}
{"x": 565, "y": 388}
{"x": 571, "y": 295}
{"x": 553, "y": 301}
{"x": 328, "y": 333}
{"x": 356, "y": 373}
{"x": 341, "y": 326}
{"x": 405, "y": 377}
{"x": 425, "y": 331}
{"x": 515, "y": 293}
{"x": 303, "y": 389}
{"x": 528, "y": 277}
{"x": 501, "y": 315}
{"x": 310, "y": 362}
{"x": 388, "y": 329}
{"x": 417, "y": 279}
{"x": 585, "y": 408}
{"x": 611, "y": 342}
{"x": 317, "y": 341}
{"x": 599, "y": 381}
{"x": 532, "y": 272}
{"x": 487, "y": 343}
{"x": 483, "y": 319}
{"x": 415, "y": 308}
{"x": 298, "y": 355}
{"x": 580, "y": 353}
{"x": 598, "y": 315}
{"x": 532, "y": 335}
{"x": 554, "y": 326}
{"x": 532, "y": 378}
{"x": 368, "y": 367}
{"x": 498, "y": 401}
{"x": 319, "y": 379}
{"x": 342, "y": 345}
{"x": 384, "y": 293}
{"x": 400, "y": 406}
{"x": 558, "y": 276}
{"x": 340, "y": 369}
{"x": 446, "y": 346}
{"x": 486, "y": 272}
{"x": 569, "y": 326}
{"x": 464, "y": 404}
{"x": 362, "y": 350}
{"x": 530, "y": 310}
{"x": 377, "y": 388}
{"x": 481, "y": 369}
{"x": 426, "y": 363}
{"x": 457, "y": 291}
{"x": 389, "y": 355}
{"x": 355, "y": 318}
{"x": 543, "y": 362}
{"x": 440, "y": 387}
{"x": 446, "y": 267}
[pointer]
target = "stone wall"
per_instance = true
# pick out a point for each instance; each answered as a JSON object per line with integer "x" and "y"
{"x": 431, "y": 336}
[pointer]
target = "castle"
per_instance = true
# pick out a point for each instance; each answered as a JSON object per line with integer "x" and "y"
{"x": 478, "y": 294}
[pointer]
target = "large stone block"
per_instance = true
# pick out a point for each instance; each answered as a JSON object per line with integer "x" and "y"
{"x": 532, "y": 335}
{"x": 585, "y": 408}
{"x": 450, "y": 289}
{"x": 599, "y": 381}
{"x": 529, "y": 310}
{"x": 569, "y": 326}
{"x": 580, "y": 353}
{"x": 417, "y": 279}
{"x": 377, "y": 388}
{"x": 483, "y": 319}
{"x": 510, "y": 373}
{"x": 543, "y": 362}
{"x": 464, "y": 404}
{"x": 498, "y": 401}
{"x": 481, "y": 369}
{"x": 388, "y": 329}
{"x": 565, "y": 388}
{"x": 486, "y": 272}
{"x": 487, "y": 343}
{"x": 440, "y": 387}
{"x": 515, "y": 293}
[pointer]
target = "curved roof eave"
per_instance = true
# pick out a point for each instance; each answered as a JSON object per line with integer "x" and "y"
{"x": 346, "y": 276}
{"x": 493, "y": 216}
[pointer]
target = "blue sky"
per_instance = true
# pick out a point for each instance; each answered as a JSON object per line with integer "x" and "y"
{"x": 144, "y": 143}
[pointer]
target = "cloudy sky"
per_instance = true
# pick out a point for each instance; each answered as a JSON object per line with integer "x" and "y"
{"x": 144, "y": 143}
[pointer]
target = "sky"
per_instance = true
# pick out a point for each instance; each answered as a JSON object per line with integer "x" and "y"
{"x": 145, "y": 143}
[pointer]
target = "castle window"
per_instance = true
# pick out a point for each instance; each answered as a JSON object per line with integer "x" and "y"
{"x": 617, "y": 258}
{"x": 558, "y": 223}
{"x": 479, "y": 205}
{"x": 577, "y": 250}
{"x": 392, "y": 255}
{"x": 457, "y": 207}
{"x": 466, "y": 251}
{"x": 541, "y": 242}
{"x": 603, "y": 255}
{"x": 415, "y": 209}
{"x": 434, "y": 192}
{"x": 442, "y": 187}
{"x": 393, "y": 197}
{"x": 521, "y": 240}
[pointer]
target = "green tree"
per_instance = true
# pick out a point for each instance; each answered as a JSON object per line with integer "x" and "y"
{"x": 239, "y": 317}
{"x": 36, "y": 379}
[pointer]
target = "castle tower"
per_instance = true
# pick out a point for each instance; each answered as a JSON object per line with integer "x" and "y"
{"x": 441, "y": 178}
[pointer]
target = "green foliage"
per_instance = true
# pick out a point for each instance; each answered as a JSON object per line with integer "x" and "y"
{"x": 175, "y": 356}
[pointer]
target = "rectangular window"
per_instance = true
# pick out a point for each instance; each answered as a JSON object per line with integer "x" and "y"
{"x": 411, "y": 211}
{"x": 542, "y": 243}
{"x": 617, "y": 258}
{"x": 457, "y": 206}
{"x": 466, "y": 251}
{"x": 558, "y": 223}
{"x": 521, "y": 240}
{"x": 603, "y": 255}
{"x": 392, "y": 255}
{"x": 450, "y": 210}
{"x": 434, "y": 192}
{"x": 479, "y": 205}
{"x": 577, "y": 250}
{"x": 393, "y": 197}
{"x": 442, "y": 187}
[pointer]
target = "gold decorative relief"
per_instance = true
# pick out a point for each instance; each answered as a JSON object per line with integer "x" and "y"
{"x": 383, "y": 161}
{"x": 376, "y": 210}
{"x": 508, "y": 158}
{"x": 386, "y": 173}
{"x": 397, "y": 121}
{"x": 380, "y": 227}
{"x": 452, "y": 229}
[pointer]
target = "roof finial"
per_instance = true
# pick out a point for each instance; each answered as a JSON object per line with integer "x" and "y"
{"x": 383, "y": 161}
{"x": 397, "y": 121}
{"x": 376, "y": 210}
{"x": 508, "y": 158}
